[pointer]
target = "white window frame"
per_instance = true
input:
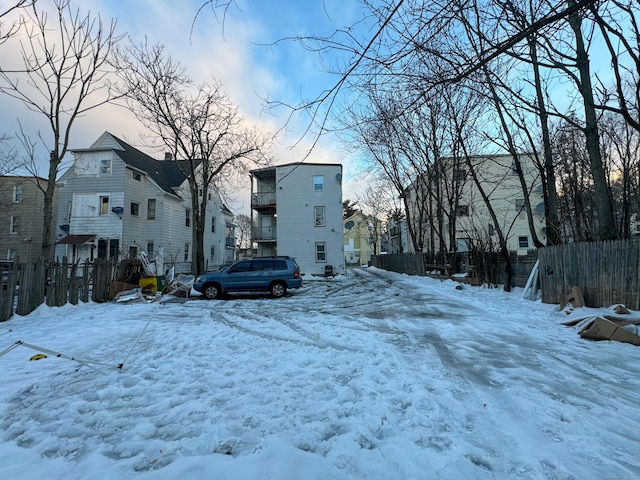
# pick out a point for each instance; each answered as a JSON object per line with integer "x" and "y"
{"x": 321, "y": 252}
{"x": 102, "y": 210}
{"x": 523, "y": 239}
{"x": 14, "y": 225}
{"x": 320, "y": 216}
{"x": 318, "y": 183}
{"x": 186, "y": 252}
{"x": 151, "y": 212}
{"x": 17, "y": 193}
{"x": 105, "y": 166}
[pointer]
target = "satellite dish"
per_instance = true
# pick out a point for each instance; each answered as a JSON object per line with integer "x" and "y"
{"x": 350, "y": 224}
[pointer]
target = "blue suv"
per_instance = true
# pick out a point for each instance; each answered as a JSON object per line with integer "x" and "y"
{"x": 267, "y": 274}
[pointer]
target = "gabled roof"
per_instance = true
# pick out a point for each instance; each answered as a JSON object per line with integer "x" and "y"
{"x": 168, "y": 174}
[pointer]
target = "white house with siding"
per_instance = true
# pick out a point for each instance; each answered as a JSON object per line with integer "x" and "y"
{"x": 115, "y": 201}
{"x": 296, "y": 210}
{"x": 498, "y": 177}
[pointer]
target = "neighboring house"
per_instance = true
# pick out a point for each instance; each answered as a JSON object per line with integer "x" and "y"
{"x": 468, "y": 210}
{"x": 362, "y": 238}
{"x": 21, "y": 206}
{"x": 115, "y": 201}
{"x": 395, "y": 239}
{"x": 231, "y": 250}
{"x": 297, "y": 211}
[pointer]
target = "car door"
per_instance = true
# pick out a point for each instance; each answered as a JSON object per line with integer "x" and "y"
{"x": 264, "y": 273}
{"x": 238, "y": 276}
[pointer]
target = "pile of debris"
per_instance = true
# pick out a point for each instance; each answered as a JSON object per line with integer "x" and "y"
{"x": 614, "y": 323}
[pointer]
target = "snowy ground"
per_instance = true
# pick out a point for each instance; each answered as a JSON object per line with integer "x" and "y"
{"x": 371, "y": 376}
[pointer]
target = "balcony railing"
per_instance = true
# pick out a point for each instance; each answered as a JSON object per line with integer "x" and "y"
{"x": 264, "y": 233}
{"x": 263, "y": 199}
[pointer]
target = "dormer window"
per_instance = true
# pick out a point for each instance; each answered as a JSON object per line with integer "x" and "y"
{"x": 105, "y": 166}
{"x": 136, "y": 176}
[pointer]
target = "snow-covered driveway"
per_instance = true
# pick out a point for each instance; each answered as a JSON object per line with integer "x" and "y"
{"x": 374, "y": 375}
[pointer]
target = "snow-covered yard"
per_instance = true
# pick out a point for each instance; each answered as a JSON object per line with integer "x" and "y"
{"x": 371, "y": 376}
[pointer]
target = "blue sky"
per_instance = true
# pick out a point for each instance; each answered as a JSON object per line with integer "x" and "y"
{"x": 240, "y": 52}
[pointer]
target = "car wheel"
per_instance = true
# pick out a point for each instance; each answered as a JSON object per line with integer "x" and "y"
{"x": 212, "y": 292}
{"x": 278, "y": 289}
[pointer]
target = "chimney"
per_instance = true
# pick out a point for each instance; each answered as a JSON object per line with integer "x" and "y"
{"x": 168, "y": 156}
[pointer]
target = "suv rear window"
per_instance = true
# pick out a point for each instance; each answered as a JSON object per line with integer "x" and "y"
{"x": 279, "y": 265}
{"x": 262, "y": 265}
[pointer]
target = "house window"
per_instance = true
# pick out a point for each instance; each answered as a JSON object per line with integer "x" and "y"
{"x": 151, "y": 209}
{"x": 135, "y": 209}
{"x": 462, "y": 211}
{"x": 319, "y": 216}
{"x": 133, "y": 251}
{"x": 213, "y": 253}
{"x": 523, "y": 242}
{"x": 105, "y": 166}
{"x": 114, "y": 246}
{"x": 514, "y": 167}
{"x": 321, "y": 252}
{"x": 150, "y": 249}
{"x": 213, "y": 224}
{"x": 519, "y": 205}
{"x": 186, "y": 252}
{"x": 187, "y": 218}
{"x": 14, "y": 225}
{"x": 318, "y": 183}
{"x": 136, "y": 176}
{"x": 460, "y": 175}
{"x": 17, "y": 193}
{"x": 104, "y": 206}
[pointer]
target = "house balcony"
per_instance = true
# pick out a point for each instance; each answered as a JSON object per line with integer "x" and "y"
{"x": 263, "y": 234}
{"x": 263, "y": 200}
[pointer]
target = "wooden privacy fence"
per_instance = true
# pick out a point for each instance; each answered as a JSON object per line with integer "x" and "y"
{"x": 608, "y": 273}
{"x": 486, "y": 267}
{"x": 27, "y": 286}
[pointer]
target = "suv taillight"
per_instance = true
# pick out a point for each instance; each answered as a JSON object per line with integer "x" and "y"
{"x": 296, "y": 275}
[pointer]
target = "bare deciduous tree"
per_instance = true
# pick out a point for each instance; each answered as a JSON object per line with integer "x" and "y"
{"x": 61, "y": 77}
{"x": 244, "y": 230}
{"x": 12, "y": 28}
{"x": 198, "y": 124}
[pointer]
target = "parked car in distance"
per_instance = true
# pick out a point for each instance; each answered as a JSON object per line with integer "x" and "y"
{"x": 264, "y": 274}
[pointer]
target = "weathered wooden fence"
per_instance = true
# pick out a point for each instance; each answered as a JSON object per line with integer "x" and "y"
{"x": 486, "y": 267}
{"x": 27, "y": 286}
{"x": 608, "y": 273}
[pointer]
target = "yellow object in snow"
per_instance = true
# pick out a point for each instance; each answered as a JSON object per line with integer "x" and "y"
{"x": 38, "y": 356}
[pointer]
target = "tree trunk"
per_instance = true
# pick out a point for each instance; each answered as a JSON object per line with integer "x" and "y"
{"x": 606, "y": 224}
{"x": 550, "y": 193}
